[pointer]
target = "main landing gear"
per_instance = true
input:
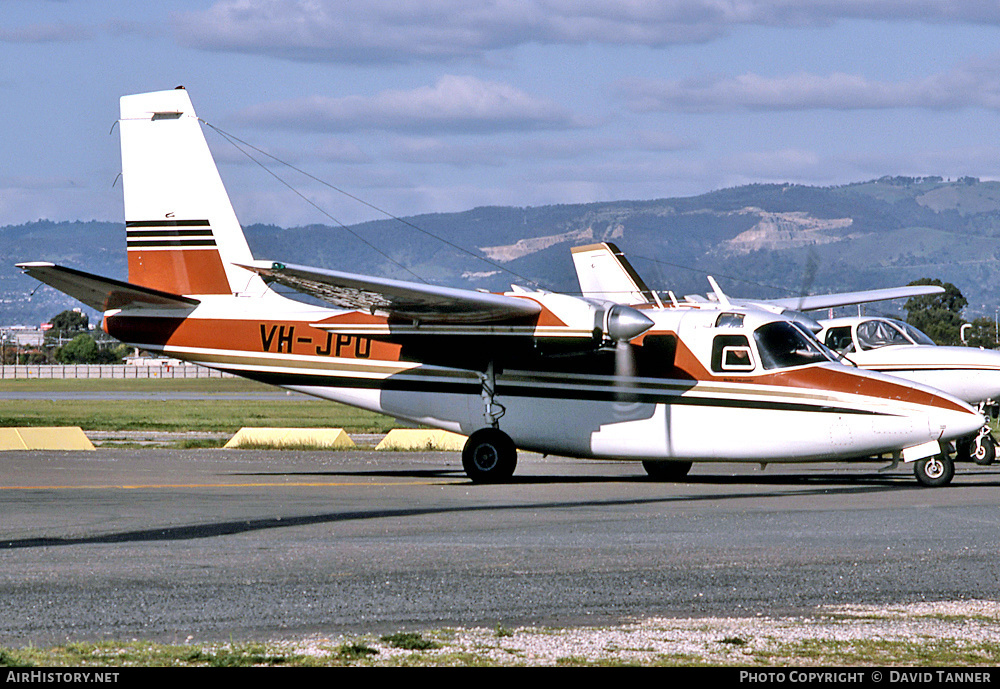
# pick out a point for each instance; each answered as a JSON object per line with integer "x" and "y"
{"x": 489, "y": 455}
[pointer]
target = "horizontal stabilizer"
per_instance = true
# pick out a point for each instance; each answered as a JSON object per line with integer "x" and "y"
{"x": 101, "y": 293}
{"x": 829, "y": 301}
{"x": 406, "y": 300}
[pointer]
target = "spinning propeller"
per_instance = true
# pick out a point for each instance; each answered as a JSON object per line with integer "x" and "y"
{"x": 621, "y": 325}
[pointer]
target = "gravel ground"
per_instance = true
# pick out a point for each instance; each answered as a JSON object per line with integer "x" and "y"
{"x": 966, "y": 626}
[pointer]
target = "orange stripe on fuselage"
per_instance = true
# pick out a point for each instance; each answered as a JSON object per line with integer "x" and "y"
{"x": 299, "y": 339}
{"x": 179, "y": 271}
{"x": 278, "y": 337}
{"x": 837, "y": 380}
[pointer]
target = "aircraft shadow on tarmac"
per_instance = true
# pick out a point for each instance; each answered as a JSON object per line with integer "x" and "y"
{"x": 232, "y": 527}
{"x": 895, "y": 479}
{"x": 807, "y": 484}
{"x": 810, "y": 485}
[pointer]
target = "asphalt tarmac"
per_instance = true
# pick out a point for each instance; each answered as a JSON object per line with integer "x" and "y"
{"x": 199, "y": 545}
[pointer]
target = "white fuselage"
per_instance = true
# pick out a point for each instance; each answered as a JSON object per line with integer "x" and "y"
{"x": 817, "y": 411}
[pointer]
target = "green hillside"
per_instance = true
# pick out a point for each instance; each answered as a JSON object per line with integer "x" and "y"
{"x": 757, "y": 240}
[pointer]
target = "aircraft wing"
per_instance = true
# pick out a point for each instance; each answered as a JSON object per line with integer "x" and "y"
{"x": 406, "y": 300}
{"x": 101, "y": 293}
{"x": 828, "y": 301}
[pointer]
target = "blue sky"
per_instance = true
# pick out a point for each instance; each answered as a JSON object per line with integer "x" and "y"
{"x": 441, "y": 105}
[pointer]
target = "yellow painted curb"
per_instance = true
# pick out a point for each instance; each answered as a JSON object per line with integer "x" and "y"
{"x": 44, "y": 438}
{"x": 334, "y": 438}
{"x": 421, "y": 439}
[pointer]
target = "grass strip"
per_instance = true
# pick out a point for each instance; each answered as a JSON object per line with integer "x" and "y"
{"x": 210, "y": 415}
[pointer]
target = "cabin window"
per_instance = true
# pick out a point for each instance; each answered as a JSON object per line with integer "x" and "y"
{"x": 731, "y": 353}
{"x": 737, "y": 359}
{"x": 729, "y": 320}
{"x": 838, "y": 339}
{"x": 781, "y": 344}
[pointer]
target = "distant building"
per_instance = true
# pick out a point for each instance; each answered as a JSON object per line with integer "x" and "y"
{"x": 22, "y": 335}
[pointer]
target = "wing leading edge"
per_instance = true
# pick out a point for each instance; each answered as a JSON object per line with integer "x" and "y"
{"x": 829, "y": 301}
{"x": 400, "y": 299}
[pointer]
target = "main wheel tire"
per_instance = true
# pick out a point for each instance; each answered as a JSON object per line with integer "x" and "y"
{"x": 666, "y": 470}
{"x": 489, "y": 456}
{"x": 935, "y": 471}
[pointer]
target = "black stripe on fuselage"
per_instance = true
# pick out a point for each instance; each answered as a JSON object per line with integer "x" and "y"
{"x": 602, "y": 394}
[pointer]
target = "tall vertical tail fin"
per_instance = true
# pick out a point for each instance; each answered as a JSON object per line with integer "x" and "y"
{"x": 182, "y": 233}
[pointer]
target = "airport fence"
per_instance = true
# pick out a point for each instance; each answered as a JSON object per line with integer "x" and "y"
{"x": 110, "y": 371}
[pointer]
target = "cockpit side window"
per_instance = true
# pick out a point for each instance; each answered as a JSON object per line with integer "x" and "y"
{"x": 838, "y": 339}
{"x": 782, "y": 345}
{"x": 731, "y": 353}
{"x": 877, "y": 333}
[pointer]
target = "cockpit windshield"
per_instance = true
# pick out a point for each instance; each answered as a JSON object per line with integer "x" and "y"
{"x": 885, "y": 332}
{"x": 918, "y": 336}
{"x": 782, "y": 344}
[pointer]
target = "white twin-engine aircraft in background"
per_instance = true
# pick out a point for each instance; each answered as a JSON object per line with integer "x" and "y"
{"x": 665, "y": 384}
{"x": 890, "y": 346}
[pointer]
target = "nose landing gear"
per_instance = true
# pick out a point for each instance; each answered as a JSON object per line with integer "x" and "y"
{"x": 936, "y": 470}
{"x": 981, "y": 448}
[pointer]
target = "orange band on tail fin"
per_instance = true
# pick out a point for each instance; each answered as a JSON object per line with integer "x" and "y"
{"x": 179, "y": 256}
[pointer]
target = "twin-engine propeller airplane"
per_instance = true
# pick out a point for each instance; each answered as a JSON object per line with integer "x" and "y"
{"x": 890, "y": 346}
{"x": 529, "y": 369}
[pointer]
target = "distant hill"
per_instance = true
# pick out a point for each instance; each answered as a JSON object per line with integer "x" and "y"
{"x": 757, "y": 240}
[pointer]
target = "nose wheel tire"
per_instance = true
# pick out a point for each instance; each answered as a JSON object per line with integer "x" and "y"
{"x": 983, "y": 451}
{"x": 935, "y": 471}
{"x": 980, "y": 449}
{"x": 489, "y": 456}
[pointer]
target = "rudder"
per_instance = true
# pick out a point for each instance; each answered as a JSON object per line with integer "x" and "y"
{"x": 182, "y": 234}
{"x": 605, "y": 273}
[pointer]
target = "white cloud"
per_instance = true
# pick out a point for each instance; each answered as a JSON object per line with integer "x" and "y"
{"x": 404, "y": 30}
{"x": 974, "y": 84}
{"x": 454, "y": 103}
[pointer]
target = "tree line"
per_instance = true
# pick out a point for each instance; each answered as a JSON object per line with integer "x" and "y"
{"x": 940, "y": 317}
